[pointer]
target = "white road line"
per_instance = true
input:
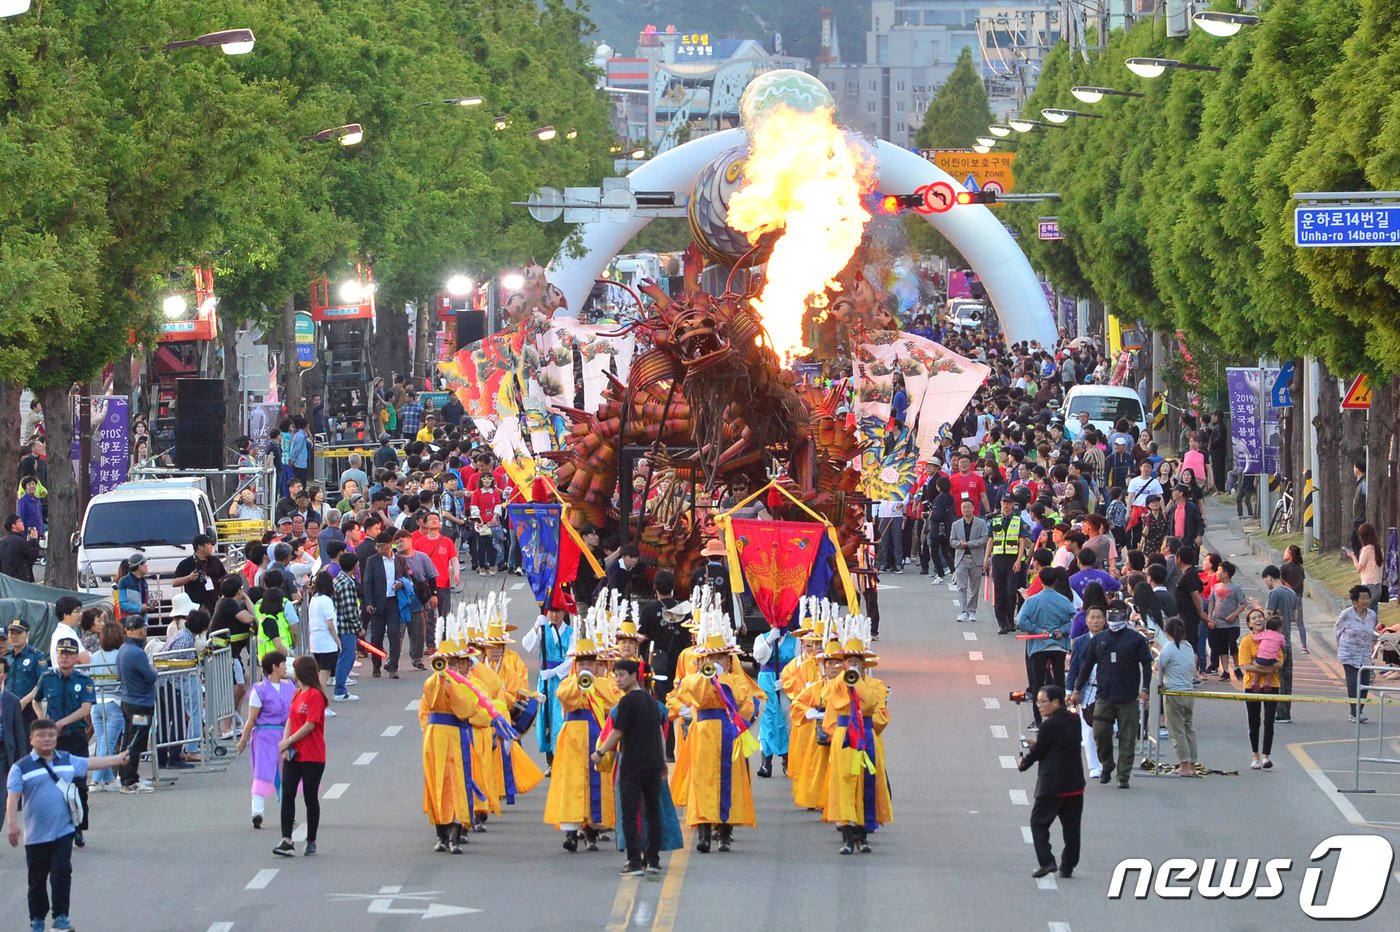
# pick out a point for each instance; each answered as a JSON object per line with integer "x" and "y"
{"x": 969, "y": 635}
{"x": 1047, "y": 882}
{"x": 1026, "y": 834}
{"x": 516, "y": 587}
{"x": 1059, "y": 927}
{"x": 391, "y": 731}
{"x": 412, "y": 706}
{"x": 1329, "y": 789}
{"x": 1018, "y": 798}
{"x": 999, "y": 731}
{"x": 974, "y": 655}
{"x": 1007, "y": 761}
{"x": 983, "y": 679}
{"x": 221, "y": 927}
{"x": 989, "y": 703}
{"x": 261, "y": 879}
{"x": 366, "y": 758}
{"x": 336, "y": 791}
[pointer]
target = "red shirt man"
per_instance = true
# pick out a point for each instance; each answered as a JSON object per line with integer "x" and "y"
{"x": 968, "y": 485}
{"x": 443, "y": 552}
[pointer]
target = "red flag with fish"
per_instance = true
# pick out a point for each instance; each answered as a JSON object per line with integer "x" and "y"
{"x": 777, "y": 559}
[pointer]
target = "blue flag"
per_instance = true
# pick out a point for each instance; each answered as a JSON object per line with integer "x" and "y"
{"x": 538, "y": 527}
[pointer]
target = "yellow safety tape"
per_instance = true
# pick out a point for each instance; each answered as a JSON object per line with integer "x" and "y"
{"x": 1267, "y": 697}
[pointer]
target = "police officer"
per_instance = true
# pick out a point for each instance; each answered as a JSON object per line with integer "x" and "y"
{"x": 1006, "y": 554}
{"x": 66, "y": 696}
{"x": 25, "y": 665}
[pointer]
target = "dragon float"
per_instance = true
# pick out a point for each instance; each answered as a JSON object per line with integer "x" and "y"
{"x": 706, "y": 401}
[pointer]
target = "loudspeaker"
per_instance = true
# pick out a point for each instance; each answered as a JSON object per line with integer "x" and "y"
{"x": 471, "y": 327}
{"x": 199, "y": 423}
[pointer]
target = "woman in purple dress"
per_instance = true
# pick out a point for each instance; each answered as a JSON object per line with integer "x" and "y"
{"x": 268, "y": 704}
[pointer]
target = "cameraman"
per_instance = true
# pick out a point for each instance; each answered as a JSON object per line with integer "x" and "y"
{"x": 1059, "y": 786}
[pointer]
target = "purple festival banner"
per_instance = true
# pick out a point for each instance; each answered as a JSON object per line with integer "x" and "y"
{"x": 1256, "y": 439}
{"x": 111, "y": 454}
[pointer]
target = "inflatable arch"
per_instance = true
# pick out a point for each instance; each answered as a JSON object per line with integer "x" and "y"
{"x": 978, "y": 235}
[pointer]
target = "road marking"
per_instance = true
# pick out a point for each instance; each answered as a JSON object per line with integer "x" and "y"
{"x": 1329, "y": 789}
{"x": 221, "y": 927}
{"x": 1026, "y": 834}
{"x": 983, "y": 679}
{"x": 262, "y": 878}
{"x": 1018, "y": 798}
{"x": 336, "y": 791}
{"x": 412, "y": 706}
{"x": 623, "y": 904}
{"x": 969, "y": 635}
{"x": 366, "y": 758}
{"x": 391, "y": 732}
{"x": 1046, "y": 883}
{"x": 999, "y": 731}
{"x": 516, "y": 587}
{"x": 974, "y": 655}
{"x": 671, "y": 887}
{"x": 1059, "y": 927}
{"x": 988, "y": 703}
{"x": 1007, "y": 761}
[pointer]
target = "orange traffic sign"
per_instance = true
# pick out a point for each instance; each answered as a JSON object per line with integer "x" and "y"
{"x": 1358, "y": 396}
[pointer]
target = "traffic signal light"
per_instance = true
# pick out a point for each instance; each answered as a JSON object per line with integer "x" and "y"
{"x": 894, "y": 203}
{"x": 977, "y": 197}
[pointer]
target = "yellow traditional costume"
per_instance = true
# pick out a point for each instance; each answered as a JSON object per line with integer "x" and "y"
{"x": 581, "y": 797}
{"x": 687, "y": 663}
{"x": 447, "y": 712}
{"x": 522, "y": 775}
{"x": 801, "y": 673}
{"x": 858, "y": 794}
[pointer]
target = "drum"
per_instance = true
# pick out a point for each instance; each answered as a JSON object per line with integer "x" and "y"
{"x": 523, "y": 712}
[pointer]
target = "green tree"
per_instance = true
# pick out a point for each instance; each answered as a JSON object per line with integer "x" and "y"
{"x": 958, "y": 113}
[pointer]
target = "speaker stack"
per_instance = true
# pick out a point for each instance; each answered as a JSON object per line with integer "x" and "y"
{"x": 471, "y": 327}
{"x": 199, "y": 423}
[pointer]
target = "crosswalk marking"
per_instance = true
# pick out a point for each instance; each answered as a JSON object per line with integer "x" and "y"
{"x": 366, "y": 758}
{"x": 999, "y": 731}
{"x": 391, "y": 731}
{"x": 336, "y": 791}
{"x": 983, "y": 679}
{"x": 990, "y": 703}
{"x": 1019, "y": 798}
{"x": 261, "y": 879}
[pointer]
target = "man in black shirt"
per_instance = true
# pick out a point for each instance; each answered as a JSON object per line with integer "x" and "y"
{"x": 641, "y": 768}
{"x": 667, "y": 638}
{"x": 201, "y": 574}
{"x": 1059, "y": 786}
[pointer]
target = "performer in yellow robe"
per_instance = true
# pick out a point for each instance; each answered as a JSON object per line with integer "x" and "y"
{"x": 858, "y": 795}
{"x": 580, "y": 797}
{"x": 682, "y": 717}
{"x": 800, "y": 673}
{"x": 719, "y": 792}
{"x": 484, "y": 740}
{"x": 813, "y": 787}
{"x": 446, "y": 713}
{"x": 523, "y": 775}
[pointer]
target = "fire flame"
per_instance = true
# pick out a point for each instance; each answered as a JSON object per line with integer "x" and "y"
{"x": 803, "y": 179}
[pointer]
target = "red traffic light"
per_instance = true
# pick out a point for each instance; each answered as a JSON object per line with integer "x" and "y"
{"x": 889, "y": 204}
{"x": 977, "y": 197}
{"x": 894, "y": 203}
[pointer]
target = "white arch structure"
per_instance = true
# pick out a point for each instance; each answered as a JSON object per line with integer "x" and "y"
{"x": 974, "y": 230}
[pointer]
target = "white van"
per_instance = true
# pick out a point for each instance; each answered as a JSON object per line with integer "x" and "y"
{"x": 1105, "y": 404}
{"x": 157, "y": 517}
{"x": 966, "y": 314}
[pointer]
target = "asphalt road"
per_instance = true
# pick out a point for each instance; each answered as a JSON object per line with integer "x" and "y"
{"x": 956, "y": 857}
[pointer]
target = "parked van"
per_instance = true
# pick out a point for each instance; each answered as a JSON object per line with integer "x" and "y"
{"x": 157, "y": 517}
{"x": 1105, "y": 404}
{"x": 966, "y": 314}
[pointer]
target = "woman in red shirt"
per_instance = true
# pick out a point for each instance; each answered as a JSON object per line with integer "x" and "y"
{"x": 303, "y": 748}
{"x": 484, "y": 502}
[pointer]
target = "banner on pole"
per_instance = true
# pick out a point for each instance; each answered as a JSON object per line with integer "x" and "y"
{"x": 1254, "y": 423}
{"x": 537, "y": 527}
{"x": 777, "y": 558}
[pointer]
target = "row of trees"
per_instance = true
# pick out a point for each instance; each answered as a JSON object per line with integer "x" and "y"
{"x": 1177, "y": 207}
{"x": 123, "y": 165}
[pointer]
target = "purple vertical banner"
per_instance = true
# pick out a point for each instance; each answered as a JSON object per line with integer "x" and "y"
{"x": 111, "y": 452}
{"x": 1257, "y": 440}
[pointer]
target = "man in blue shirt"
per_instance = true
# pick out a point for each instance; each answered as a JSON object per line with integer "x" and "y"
{"x": 1047, "y": 614}
{"x": 138, "y": 690}
{"x": 133, "y": 592}
{"x": 410, "y": 417}
{"x": 39, "y": 780}
{"x": 1089, "y": 572}
{"x": 299, "y": 455}
{"x": 65, "y": 696}
{"x": 24, "y": 665}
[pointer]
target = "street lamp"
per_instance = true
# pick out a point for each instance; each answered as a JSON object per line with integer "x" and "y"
{"x": 352, "y": 292}
{"x": 571, "y": 134}
{"x": 512, "y": 281}
{"x": 987, "y": 141}
{"x": 459, "y": 285}
{"x": 232, "y": 41}
{"x": 997, "y": 129}
{"x": 1055, "y": 115}
{"x": 465, "y": 101}
{"x": 637, "y": 154}
{"x": 1025, "y": 126}
{"x": 499, "y": 123}
{"x": 1092, "y": 95}
{"x": 174, "y": 307}
{"x": 347, "y": 135}
{"x": 1156, "y": 67}
{"x": 1223, "y": 24}
{"x": 981, "y": 149}
{"x": 545, "y": 133}
{"x": 13, "y": 7}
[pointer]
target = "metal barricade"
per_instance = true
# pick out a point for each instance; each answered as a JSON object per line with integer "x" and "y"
{"x": 1378, "y": 695}
{"x": 216, "y": 677}
{"x": 177, "y": 694}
